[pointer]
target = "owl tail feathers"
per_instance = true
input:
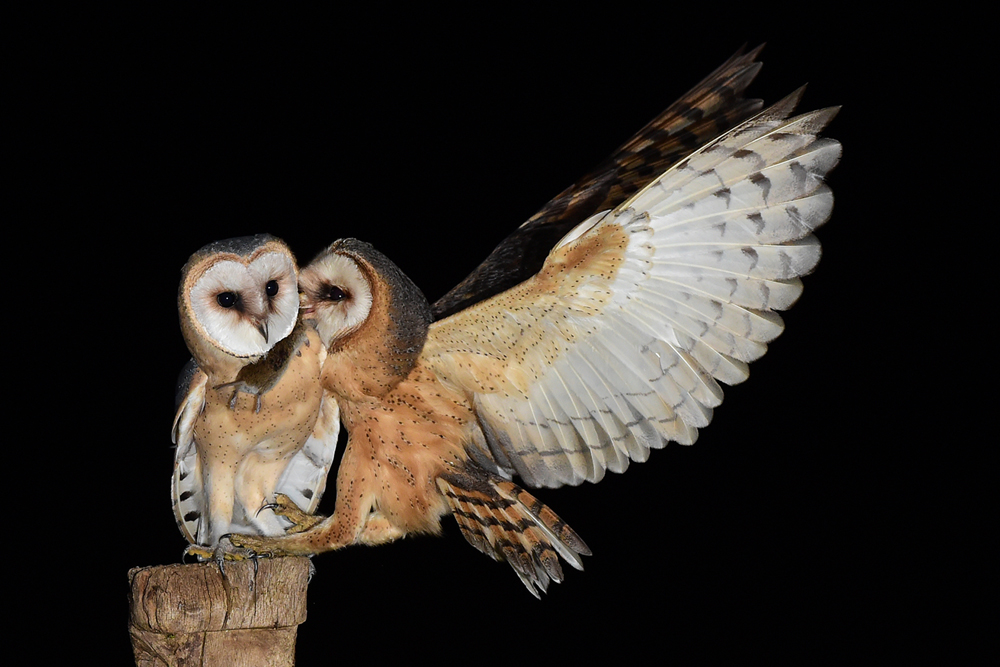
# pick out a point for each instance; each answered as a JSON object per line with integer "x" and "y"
{"x": 506, "y": 522}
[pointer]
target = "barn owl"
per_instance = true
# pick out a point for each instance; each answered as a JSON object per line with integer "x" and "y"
{"x": 672, "y": 262}
{"x": 239, "y": 307}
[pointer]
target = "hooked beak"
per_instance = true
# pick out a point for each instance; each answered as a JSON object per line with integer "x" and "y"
{"x": 262, "y": 329}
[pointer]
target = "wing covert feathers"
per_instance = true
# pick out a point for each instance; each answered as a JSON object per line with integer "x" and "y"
{"x": 713, "y": 106}
{"x": 619, "y": 343}
{"x": 507, "y": 523}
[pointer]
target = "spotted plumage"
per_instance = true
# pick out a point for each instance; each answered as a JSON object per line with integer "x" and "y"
{"x": 666, "y": 286}
{"x": 252, "y": 419}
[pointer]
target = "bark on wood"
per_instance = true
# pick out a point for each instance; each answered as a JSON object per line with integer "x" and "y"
{"x": 193, "y": 616}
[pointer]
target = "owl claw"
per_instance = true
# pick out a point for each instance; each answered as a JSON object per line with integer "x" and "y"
{"x": 249, "y": 546}
{"x": 242, "y": 387}
{"x": 224, "y": 551}
{"x": 198, "y": 551}
{"x": 286, "y": 507}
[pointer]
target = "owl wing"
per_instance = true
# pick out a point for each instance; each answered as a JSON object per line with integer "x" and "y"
{"x": 713, "y": 106}
{"x": 187, "y": 490}
{"x": 619, "y": 343}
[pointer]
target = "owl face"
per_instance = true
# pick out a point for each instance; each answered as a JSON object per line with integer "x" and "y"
{"x": 239, "y": 295}
{"x": 336, "y": 293}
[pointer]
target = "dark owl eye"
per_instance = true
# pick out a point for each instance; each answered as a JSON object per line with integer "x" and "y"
{"x": 335, "y": 294}
{"x": 271, "y": 288}
{"x": 227, "y": 299}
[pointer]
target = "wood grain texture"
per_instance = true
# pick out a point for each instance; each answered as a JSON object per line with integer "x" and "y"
{"x": 194, "y": 615}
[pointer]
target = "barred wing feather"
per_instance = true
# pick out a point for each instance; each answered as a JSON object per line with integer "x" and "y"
{"x": 619, "y": 343}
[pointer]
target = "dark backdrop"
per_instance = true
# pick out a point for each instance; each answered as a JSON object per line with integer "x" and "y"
{"x": 798, "y": 525}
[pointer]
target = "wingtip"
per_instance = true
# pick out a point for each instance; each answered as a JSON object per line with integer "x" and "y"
{"x": 783, "y": 107}
{"x": 743, "y": 54}
{"x": 755, "y": 51}
{"x": 793, "y": 98}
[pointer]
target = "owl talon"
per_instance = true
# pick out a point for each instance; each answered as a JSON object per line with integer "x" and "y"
{"x": 220, "y": 554}
{"x": 198, "y": 551}
{"x": 248, "y": 546}
{"x": 232, "y": 547}
{"x": 286, "y": 507}
{"x": 242, "y": 387}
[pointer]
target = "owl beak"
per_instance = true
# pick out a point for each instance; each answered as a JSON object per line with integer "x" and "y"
{"x": 262, "y": 328}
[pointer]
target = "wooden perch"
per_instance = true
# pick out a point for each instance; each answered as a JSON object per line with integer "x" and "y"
{"x": 192, "y": 615}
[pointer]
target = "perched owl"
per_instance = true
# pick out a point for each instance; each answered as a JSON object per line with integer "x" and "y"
{"x": 672, "y": 262}
{"x": 239, "y": 307}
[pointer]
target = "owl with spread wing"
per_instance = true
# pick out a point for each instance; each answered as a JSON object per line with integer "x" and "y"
{"x": 599, "y": 330}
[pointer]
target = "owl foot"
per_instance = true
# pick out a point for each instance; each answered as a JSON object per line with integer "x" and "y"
{"x": 220, "y": 554}
{"x": 261, "y": 376}
{"x": 284, "y": 506}
{"x": 241, "y": 386}
{"x": 235, "y": 548}
{"x": 223, "y": 551}
{"x": 198, "y": 551}
{"x": 252, "y": 546}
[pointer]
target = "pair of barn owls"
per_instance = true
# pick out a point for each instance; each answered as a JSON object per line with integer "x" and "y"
{"x": 597, "y": 331}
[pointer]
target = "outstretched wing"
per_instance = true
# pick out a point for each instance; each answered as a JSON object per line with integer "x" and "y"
{"x": 617, "y": 345}
{"x": 703, "y": 113}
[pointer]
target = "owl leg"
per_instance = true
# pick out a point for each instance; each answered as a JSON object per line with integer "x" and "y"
{"x": 379, "y": 530}
{"x": 218, "y": 553}
{"x": 256, "y": 480}
{"x": 328, "y": 535}
{"x": 340, "y": 529}
{"x": 221, "y": 496}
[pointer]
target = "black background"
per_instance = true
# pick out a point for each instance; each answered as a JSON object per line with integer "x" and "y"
{"x": 806, "y": 521}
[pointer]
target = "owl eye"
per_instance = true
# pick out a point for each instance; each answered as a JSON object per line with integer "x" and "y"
{"x": 335, "y": 294}
{"x": 227, "y": 299}
{"x": 271, "y": 288}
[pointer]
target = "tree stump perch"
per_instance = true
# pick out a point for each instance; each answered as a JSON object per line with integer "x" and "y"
{"x": 192, "y": 615}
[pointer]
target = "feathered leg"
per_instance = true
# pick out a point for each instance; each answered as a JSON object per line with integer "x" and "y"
{"x": 355, "y": 519}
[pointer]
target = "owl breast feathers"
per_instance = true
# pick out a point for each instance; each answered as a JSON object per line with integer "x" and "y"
{"x": 661, "y": 278}
{"x": 238, "y": 305}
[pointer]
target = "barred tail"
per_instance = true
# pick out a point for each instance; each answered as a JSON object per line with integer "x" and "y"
{"x": 507, "y": 523}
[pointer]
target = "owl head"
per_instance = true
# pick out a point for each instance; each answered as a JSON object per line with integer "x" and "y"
{"x": 238, "y": 297}
{"x": 359, "y": 299}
